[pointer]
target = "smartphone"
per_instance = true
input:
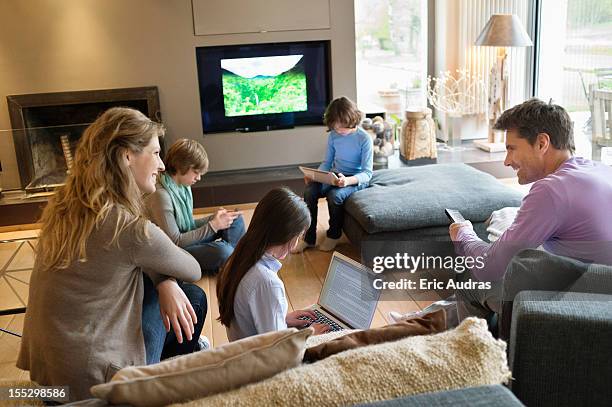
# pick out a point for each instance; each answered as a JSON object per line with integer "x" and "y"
{"x": 454, "y": 215}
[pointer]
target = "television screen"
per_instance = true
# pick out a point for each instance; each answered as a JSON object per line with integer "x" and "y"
{"x": 263, "y": 86}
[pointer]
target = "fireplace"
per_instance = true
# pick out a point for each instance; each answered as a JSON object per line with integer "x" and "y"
{"x": 47, "y": 127}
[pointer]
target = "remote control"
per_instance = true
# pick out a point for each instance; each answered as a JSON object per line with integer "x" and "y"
{"x": 454, "y": 215}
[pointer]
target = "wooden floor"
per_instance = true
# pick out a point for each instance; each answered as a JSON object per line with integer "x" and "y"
{"x": 303, "y": 275}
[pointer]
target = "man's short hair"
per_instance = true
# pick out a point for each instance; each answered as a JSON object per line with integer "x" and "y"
{"x": 535, "y": 116}
{"x": 185, "y": 154}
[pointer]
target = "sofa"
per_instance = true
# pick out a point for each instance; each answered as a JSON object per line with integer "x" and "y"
{"x": 557, "y": 318}
{"x": 559, "y": 354}
{"x": 480, "y": 396}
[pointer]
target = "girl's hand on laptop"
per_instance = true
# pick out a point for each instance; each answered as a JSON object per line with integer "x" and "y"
{"x": 320, "y": 328}
{"x": 300, "y": 318}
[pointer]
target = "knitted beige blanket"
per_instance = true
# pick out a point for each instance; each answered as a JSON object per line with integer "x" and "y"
{"x": 465, "y": 356}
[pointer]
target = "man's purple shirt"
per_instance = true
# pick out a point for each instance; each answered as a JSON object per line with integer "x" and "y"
{"x": 569, "y": 212}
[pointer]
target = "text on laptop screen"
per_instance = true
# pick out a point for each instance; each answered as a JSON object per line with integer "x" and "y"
{"x": 349, "y": 294}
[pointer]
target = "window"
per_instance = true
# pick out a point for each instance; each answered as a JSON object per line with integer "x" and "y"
{"x": 391, "y": 54}
{"x": 575, "y": 55}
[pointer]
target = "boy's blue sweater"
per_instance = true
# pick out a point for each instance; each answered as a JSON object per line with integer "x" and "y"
{"x": 350, "y": 154}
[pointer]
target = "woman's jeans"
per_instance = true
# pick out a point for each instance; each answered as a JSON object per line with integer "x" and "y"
{"x": 160, "y": 344}
{"x": 335, "y": 203}
{"x": 212, "y": 253}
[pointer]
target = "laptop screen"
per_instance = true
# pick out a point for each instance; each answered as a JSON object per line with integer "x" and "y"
{"x": 348, "y": 293}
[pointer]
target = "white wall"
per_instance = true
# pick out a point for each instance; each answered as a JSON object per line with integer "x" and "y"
{"x": 53, "y": 46}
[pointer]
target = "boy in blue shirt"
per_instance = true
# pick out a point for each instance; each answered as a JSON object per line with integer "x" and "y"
{"x": 349, "y": 155}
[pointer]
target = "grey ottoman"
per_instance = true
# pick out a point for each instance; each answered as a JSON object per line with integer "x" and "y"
{"x": 408, "y": 203}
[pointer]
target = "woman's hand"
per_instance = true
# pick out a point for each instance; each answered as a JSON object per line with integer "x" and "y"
{"x": 176, "y": 310}
{"x": 293, "y": 320}
{"x": 223, "y": 219}
{"x": 307, "y": 180}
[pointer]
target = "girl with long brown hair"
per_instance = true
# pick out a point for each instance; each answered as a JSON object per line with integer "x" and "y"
{"x": 250, "y": 293}
{"x": 84, "y": 316}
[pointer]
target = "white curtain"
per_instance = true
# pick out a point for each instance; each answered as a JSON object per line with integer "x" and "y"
{"x": 473, "y": 15}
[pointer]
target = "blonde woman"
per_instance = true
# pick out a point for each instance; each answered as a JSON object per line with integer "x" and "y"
{"x": 84, "y": 316}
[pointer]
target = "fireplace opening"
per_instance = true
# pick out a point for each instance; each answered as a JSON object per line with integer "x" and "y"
{"x": 48, "y": 126}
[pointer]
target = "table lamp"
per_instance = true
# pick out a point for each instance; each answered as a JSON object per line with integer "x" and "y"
{"x": 502, "y": 30}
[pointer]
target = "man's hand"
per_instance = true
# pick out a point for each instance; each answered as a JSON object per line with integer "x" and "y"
{"x": 176, "y": 310}
{"x": 293, "y": 318}
{"x": 307, "y": 180}
{"x": 453, "y": 229}
{"x": 223, "y": 219}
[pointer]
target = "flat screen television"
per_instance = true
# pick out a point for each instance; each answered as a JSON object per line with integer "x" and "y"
{"x": 263, "y": 86}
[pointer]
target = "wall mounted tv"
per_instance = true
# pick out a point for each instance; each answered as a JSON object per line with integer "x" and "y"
{"x": 263, "y": 86}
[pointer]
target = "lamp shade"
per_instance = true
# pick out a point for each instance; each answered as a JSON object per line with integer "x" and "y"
{"x": 504, "y": 30}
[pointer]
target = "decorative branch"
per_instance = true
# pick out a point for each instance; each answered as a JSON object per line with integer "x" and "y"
{"x": 459, "y": 94}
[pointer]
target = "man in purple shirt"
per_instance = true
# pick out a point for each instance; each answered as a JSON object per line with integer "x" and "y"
{"x": 567, "y": 210}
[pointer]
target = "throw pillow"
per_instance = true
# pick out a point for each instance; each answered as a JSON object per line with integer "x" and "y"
{"x": 499, "y": 221}
{"x": 428, "y": 324}
{"x": 316, "y": 340}
{"x": 208, "y": 372}
{"x": 465, "y": 356}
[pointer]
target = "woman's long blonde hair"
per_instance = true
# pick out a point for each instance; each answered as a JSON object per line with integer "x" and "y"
{"x": 99, "y": 180}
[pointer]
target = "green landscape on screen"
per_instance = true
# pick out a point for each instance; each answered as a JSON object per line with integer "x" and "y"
{"x": 261, "y": 94}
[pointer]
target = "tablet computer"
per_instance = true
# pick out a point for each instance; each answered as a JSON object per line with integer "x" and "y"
{"x": 324, "y": 177}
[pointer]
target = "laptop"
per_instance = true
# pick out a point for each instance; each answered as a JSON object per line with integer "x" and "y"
{"x": 348, "y": 298}
{"x": 324, "y": 177}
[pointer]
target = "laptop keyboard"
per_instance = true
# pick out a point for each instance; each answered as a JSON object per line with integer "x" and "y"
{"x": 322, "y": 319}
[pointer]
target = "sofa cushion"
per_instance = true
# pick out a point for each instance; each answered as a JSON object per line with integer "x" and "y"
{"x": 431, "y": 323}
{"x": 538, "y": 270}
{"x": 465, "y": 356}
{"x": 413, "y": 198}
{"x": 206, "y": 372}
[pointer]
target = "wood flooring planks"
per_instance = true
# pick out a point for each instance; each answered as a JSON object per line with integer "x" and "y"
{"x": 301, "y": 283}
{"x": 207, "y": 329}
{"x": 219, "y": 335}
{"x": 9, "y": 347}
